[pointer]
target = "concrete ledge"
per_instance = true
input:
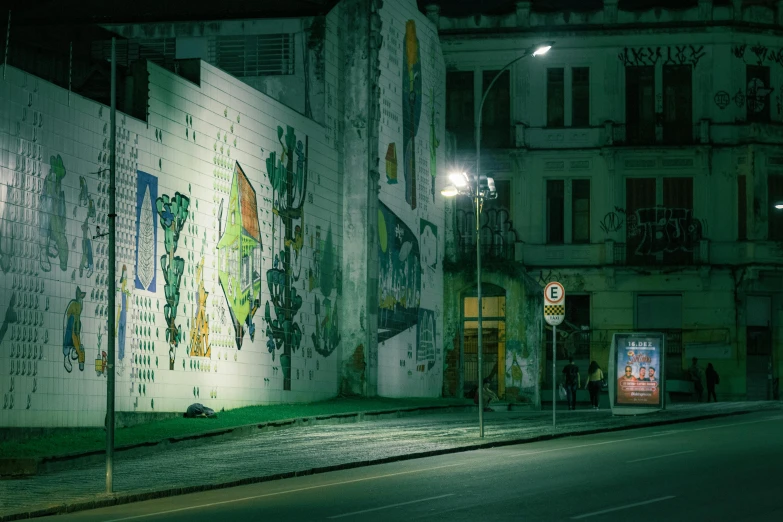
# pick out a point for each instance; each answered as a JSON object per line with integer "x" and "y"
{"x": 17, "y": 468}
{"x": 119, "y": 499}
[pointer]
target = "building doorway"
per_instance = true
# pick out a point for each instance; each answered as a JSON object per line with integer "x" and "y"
{"x": 493, "y": 340}
{"x": 758, "y": 346}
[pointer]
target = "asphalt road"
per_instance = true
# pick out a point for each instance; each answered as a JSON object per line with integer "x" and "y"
{"x": 721, "y": 469}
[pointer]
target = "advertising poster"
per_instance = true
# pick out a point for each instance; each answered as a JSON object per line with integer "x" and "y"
{"x": 638, "y": 370}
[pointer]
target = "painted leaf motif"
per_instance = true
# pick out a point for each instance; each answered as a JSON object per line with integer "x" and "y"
{"x": 146, "y": 254}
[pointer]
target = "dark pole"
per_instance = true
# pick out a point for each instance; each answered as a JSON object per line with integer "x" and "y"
{"x": 112, "y": 276}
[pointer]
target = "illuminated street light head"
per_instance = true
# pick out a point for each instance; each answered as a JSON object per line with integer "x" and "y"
{"x": 458, "y": 179}
{"x": 779, "y": 205}
{"x": 449, "y": 191}
{"x": 542, "y": 48}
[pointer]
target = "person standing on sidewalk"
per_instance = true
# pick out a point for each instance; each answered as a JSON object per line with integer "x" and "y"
{"x": 572, "y": 382}
{"x": 712, "y": 379}
{"x": 595, "y": 376}
{"x": 695, "y": 372}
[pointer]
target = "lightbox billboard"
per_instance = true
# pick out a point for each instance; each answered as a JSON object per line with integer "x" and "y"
{"x": 638, "y": 369}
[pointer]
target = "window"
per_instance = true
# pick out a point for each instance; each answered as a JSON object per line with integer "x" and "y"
{"x": 255, "y": 55}
{"x": 580, "y": 211}
{"x": 677, "y": 104}
{"x": 496, "y": 116}
{"x": 459, "y": 107}
{"x": 742, "y": 209}
{"x": 639, "y": 201}
{"x": 580, "y": 97}
{"x": 681, "y": 231}
{"x": 640, "y": 104}
{"x": 757, "y": 93}
{"x": 775, "y": 191}
{"x": 498, "y": 237}
{"x": 555, "y": 211}
{"x": 555, "y": 97}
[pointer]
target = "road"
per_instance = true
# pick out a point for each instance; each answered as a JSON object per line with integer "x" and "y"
{"x": 720, "y": 469}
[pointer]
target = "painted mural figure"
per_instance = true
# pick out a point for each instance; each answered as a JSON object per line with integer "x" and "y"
{"x": 199, "y": 331}
{"x": 122, "y": 313}
{"x": 53, "y": 242}
{"x": 87, "y": 261}
{"x": 327, "y": 335}
{"x": 173, "y": 213}
{"x": 289, "y": 185}
{"x": 6, "y": 234}
{"x": 72, "y": 332}
{"x": 240, "y": 247}
{"x": 411, "y": 108}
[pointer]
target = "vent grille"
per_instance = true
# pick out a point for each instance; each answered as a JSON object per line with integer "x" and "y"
{"x": 257, "y": 55}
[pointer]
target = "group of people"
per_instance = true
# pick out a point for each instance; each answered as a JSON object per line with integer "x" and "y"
{"x": 572, "y": 381}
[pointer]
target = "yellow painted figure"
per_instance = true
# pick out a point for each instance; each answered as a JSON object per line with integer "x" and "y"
{"x": 199, "y": 332}
{"x": 122, "y": 313}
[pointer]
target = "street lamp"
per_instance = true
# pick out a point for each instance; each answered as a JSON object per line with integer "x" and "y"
{"x": 779, "y": 205}
{"x": 484, "y": 190}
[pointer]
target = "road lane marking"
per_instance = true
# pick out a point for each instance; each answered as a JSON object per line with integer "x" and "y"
{"x": 659, "y": 456}
{"x": 392, "y": 506}
{"x": 619, "y": 508}
{"x": 657, "y": 434}
{"x": 297, "y": 490}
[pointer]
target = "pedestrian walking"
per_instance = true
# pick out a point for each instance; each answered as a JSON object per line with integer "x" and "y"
{"x": 572, "y": 382}
{"x": 595, "y": 377}
{"x": 696, "y": 373}
{"x": 712, "y": 379}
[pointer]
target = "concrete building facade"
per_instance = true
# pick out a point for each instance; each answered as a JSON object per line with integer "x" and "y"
{"x": 279, "y": 237}
{"x": 638, "y": 163}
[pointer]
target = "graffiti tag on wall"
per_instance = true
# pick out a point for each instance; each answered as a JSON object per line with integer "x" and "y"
{"x": 660, "y": 229}
{"x": 670, "y": 55}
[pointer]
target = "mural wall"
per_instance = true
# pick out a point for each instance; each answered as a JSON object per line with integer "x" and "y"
{"x": 410, "y": 216}
{"x": 227, "y": 238}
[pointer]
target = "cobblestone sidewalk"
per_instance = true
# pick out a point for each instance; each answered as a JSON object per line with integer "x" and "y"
{"x": 181, "y": 469}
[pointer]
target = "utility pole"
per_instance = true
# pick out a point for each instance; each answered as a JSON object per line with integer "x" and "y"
{"x": 112, "y": 274}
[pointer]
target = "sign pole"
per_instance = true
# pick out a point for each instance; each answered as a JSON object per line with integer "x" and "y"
{"x": 554, "y": 376}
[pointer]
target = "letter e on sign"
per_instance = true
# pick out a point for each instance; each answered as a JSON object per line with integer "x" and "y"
{"x": 554, "y": 294}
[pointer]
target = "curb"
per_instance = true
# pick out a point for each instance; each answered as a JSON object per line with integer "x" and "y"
{"x": 27, "y": 467}
{"x": 120, "y": 499}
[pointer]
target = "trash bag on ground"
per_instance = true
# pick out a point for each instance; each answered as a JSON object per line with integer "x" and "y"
{"x": 199, "y": 410}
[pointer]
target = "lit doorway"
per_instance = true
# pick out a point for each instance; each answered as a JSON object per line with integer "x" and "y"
{"x": 493, "y": 339}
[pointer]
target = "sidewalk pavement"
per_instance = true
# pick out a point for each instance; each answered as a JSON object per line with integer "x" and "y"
{"x": 269, "y": 455}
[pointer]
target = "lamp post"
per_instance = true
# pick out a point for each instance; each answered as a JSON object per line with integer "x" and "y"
{"x": 484, "y": 189}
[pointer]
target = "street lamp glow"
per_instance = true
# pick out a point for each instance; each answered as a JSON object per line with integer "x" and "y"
{"x": 459, "y": 179}
{"x": 779, "y": 205}
{"x": 542, "y": 49}
{"x": 449, "y": 192}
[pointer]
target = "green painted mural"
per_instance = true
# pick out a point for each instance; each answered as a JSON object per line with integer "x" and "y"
{"x": 288, "y": 175}
{"x": 327, "y": 326}
{"x": 173, "y": 213}
{"x": 239, "y": 256}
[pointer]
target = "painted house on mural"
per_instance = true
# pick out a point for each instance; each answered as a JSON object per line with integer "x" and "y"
{"x": 261, "y": 256}
{"x": 638, "y": 163}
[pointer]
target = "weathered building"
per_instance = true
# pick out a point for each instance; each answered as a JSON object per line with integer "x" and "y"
{"x": 638, "y": 163}
{"x": 262, "y": 257}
